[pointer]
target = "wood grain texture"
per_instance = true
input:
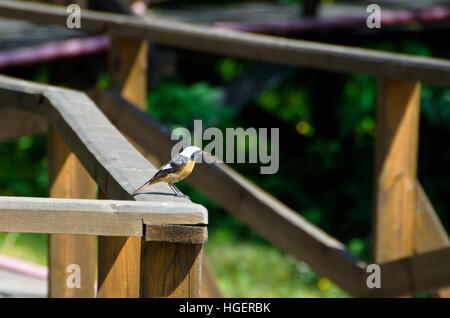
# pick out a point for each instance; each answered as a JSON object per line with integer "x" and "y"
{"x": 430, "y": 233}
{"x": 92, "y": 217}
{"x": 119, "y": 266}
{"x": 119, "y": 261}
{"x": 15, "y": 124}
{"x": 127, "y": 64}
{"x": 396, "y": 169}
{"x": 243, "y": 45}
{"x": 176, "y": 234}
{"x": 68, "y": 179}
{"x": 171, "y": 269}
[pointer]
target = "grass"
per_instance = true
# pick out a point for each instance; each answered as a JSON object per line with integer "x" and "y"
{"x": 253, "y": 269}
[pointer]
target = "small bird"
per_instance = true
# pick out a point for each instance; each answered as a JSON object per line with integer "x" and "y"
{"x": 175, "y": 170}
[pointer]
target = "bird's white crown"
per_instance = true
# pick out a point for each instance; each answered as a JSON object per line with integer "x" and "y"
{"x": 188, "y": 151}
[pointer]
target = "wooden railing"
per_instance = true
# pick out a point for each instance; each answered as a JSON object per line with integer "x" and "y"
{"x": 138, "y": 241}
{"x": 405, "y": 222}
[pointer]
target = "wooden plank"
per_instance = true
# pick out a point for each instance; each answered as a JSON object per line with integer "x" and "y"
{"x": 15, "y": 123}
{"x": 396, "y": 169}
{"x": 244, "y": 45}
{"x": 415, "y": 274}
{"x": 176, "y": 234}
{"x": 430, "y": 233}
{"x": 270, "y": 218}
{"x": 68, "y": 179}
{"x": 92, "y": 217}
{"x": 172, "y": 270}
{"x": 127, "y": 65}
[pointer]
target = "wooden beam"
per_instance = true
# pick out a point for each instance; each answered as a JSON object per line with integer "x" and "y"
{"x": 430, "y": 233}
{"x": 397, "y": 133}
{"x": 68, "y": 179}
{"x": 127, "y": 64}
{"x": 270, "y": 218}
{"x": 15, "y": 124}
{"x": 210, "y": 288}
{"x": 243, "y": 45}
{"x": 411, "y": 275}
{"x": 93, "y": 217}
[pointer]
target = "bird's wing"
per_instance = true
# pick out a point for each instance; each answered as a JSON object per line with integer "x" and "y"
{"x": 172, "y": 166}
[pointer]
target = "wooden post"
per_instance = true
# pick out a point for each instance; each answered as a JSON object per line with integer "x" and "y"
{"x": 128, "y": 69}
{"x": 68, "y": 179}
{"x": 118, "y": 265}
{"x": 396, "y": 169}
{"x": 171, "y": 269}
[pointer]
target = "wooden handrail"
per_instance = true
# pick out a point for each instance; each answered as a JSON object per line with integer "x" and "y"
{"x": 93, "y": 217}
{"x": 118, "y": 168}
{"x": 243, "y": 45}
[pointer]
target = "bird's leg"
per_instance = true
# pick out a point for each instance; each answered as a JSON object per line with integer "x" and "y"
{"x": 173, "y": 188}
{"x": 178, "y": 192}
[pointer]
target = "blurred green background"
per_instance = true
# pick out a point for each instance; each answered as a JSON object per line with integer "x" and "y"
{"x": 326, "y": 123}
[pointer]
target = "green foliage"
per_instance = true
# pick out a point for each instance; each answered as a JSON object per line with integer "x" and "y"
{"x": 23, "y": 167}
{"x": 23, "y": 172}
{"x": 174, "y": 103}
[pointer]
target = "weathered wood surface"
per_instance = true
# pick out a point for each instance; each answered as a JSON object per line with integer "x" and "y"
{"x": 92, "y": 217}
{"x": 243, "y": 45}
{"x": 396, "y": 148}
{"x": 176, "y": 234}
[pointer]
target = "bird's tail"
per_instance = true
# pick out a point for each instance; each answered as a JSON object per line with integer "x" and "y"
{"x": 149, "y": 182}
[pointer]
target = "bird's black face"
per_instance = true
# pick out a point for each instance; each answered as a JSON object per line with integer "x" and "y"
{"x": 195, "y": 155}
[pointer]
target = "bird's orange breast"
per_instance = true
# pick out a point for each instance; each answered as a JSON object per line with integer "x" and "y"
{"x": 179, "y": 175}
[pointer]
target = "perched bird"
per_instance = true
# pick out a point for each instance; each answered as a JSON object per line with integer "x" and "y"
{"x": 175, "y": 170}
